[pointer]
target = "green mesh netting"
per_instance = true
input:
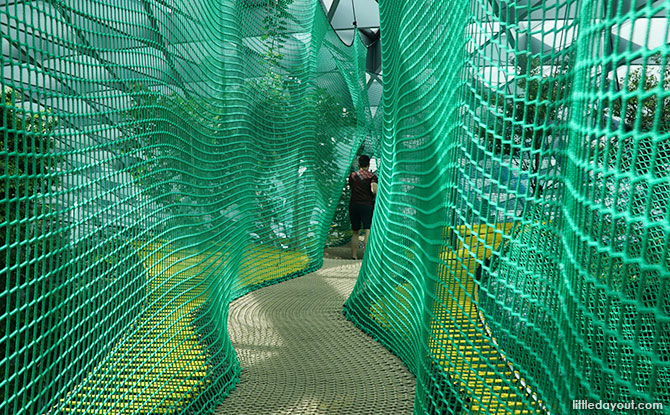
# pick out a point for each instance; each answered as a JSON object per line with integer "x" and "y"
{"x": 519, "y": 256}
{"x": 161, "y": 158}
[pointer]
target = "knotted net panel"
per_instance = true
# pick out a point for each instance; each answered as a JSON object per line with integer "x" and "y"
{"x": 160, "y": 159}
{"x": 519, "y": 258}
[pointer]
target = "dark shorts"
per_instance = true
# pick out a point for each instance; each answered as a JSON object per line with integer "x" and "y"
{"x": 360, "y": 214}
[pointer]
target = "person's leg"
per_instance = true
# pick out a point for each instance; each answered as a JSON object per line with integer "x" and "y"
{"x": 355, "y": 217}
{"x": 366, "y": 235}
{"x": 354, "y": 244}
{"x": 366, "y": 218}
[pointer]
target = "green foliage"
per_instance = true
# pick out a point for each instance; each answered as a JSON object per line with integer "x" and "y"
{"x": 628, "y": 153}
{"x": 340, "y": 232}
{"x": 645, "y": 102}
{"x": 26, "y": 138}
{"x": 272, "y": 88}
{"x": 28, "y": 175}
{"x": 342, "y": 122}
{"x": 274, "y": 29}
{"x": 341, "y": 116}
{"x": 163, "y": 133}
{"x": 643, "y": 106}
{"x": 533, "y": 112}
{"x": 633, "y": 153}
{"x": 28, "y": 178}
{"x": 530, "y": 120}
{"x": 53, "y": 292}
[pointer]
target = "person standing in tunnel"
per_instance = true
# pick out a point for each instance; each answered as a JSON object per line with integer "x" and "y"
{"x": 363, "y": 184}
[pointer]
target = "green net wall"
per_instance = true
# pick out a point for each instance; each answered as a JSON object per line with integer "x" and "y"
{"x": 519, "y": 257}
{"x": 162, "y": 158}
{"x": 159, "y": 159}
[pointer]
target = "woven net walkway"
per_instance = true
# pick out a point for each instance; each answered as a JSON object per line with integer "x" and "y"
{"x": 300, "y": 356}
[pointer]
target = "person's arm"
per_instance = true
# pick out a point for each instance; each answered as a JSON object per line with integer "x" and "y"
{"x": 374, "y": 184}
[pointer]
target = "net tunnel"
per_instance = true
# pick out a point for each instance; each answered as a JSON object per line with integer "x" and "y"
{"x": 170, "y": 165}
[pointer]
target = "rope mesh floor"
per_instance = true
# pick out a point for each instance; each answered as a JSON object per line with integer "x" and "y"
{"x": 300, "y": 356}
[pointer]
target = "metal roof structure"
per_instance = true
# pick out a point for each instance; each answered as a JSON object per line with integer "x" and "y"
{"x": 360, "y": 17}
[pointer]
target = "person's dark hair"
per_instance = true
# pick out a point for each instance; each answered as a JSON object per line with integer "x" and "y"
{"x": 364, "y": 161}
